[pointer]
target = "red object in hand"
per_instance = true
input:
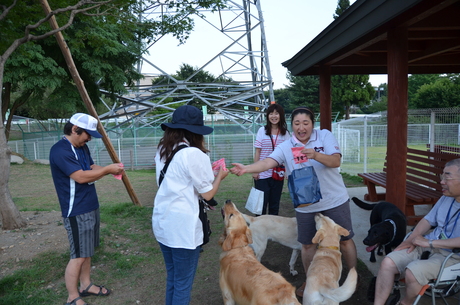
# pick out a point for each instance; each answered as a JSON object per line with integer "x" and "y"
{"x": 218, "y": 165}
{"x": 119, "y": 176}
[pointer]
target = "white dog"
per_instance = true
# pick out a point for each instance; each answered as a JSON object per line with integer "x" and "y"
{"x": 280, "y": 229}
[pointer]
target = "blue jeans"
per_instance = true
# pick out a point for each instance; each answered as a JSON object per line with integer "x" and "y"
{"x": 181, "y": 265}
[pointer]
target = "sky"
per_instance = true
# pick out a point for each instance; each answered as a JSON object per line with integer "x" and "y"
{"x": 288, "y": 28}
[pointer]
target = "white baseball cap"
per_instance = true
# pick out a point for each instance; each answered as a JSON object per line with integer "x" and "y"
{"x": 86, "y": 122}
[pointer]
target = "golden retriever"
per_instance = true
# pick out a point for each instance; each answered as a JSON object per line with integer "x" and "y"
{"x": 280, "y": 229}
{"x": 324, "y": 272}
{"x": 243, "y": 279}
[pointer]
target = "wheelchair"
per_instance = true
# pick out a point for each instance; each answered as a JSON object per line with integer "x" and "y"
{"x": 445, "y": 285}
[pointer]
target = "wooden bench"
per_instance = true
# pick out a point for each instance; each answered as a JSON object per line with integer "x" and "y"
{"x": 445, "y": 149}
{"x": 422, "y": 180}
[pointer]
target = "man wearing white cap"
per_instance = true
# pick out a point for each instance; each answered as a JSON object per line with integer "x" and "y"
{"x": 74, "y": 174}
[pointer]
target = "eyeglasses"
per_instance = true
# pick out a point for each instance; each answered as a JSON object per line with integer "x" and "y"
{"x": 446, "y": 178}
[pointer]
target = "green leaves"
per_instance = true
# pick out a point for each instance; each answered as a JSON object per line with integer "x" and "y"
{"x": 28, "y": 66}
{"x": 348, "y": 90}
{"x": 106, "y": 44}
{"x": 442, "y": 93}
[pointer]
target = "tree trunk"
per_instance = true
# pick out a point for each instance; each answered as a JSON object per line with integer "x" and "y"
{"x": 347, "y": 112}
{"x": 11, "y": 219}
{"x": 17, "y": 103}
{"x": 6, "y": 97}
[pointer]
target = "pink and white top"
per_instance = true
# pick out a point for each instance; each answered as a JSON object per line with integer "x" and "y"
{"x": 264, "y": 142}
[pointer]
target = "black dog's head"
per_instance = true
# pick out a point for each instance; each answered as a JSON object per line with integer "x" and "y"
{"x": 378, "y": 235}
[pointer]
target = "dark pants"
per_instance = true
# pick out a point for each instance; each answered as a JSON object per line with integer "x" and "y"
{"x": 272, "y": 193}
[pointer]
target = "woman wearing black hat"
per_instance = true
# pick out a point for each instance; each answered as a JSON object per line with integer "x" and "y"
{"x": 175, "y": 221}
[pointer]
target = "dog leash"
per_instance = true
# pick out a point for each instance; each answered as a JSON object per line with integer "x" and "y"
{"x": 394, "y": 230}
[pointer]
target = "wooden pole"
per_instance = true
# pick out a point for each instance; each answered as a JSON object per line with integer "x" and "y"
{"x": 397, "y": 119}
{"x": 86, "y": 99}
{"x": 325, "y": 100}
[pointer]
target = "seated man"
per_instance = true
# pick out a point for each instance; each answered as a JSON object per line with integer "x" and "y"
{"x": 405, "y": 259}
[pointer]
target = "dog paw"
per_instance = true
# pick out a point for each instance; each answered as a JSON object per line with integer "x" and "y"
{"x": 293, "y": 272}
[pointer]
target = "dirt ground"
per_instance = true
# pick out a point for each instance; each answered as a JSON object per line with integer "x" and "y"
{"x": 45, "y": 233}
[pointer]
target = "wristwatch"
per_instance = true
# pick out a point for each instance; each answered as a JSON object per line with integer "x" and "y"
{"x": 431, "y": 244}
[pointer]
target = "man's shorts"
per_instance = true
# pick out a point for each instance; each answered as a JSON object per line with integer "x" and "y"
{"x": 83, "y": 233}
{"x": 306, "y": 225}
{"x": 423, "y": 270}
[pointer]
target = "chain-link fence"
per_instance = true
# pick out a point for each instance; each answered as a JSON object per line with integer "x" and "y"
{"x": 362, "y": 140}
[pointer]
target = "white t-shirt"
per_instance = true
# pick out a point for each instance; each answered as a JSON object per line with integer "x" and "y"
{"x": 175, "y": 219}
{"x": 332, "y": 187}
{"x": 265, "y": 144}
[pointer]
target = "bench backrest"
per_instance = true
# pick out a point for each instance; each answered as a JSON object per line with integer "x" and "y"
{"x": 425, "y": 167}
{"x": 445, "y": 149}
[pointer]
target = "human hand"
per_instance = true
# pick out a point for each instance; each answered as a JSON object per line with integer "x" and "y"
{"x": 255, "y": 176}
{"x": 116, "y": 168}
{"x": 421, "y": 241}
{"x": 407, "y": 244}
{"x": 310, "y": 153}
{"x": 238, "y": 169}
{"x": 222, "y": 173}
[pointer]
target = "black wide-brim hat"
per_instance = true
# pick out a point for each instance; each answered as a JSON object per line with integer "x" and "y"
{"x": 189, "y": 118}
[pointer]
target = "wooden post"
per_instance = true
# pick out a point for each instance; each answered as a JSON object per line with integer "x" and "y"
{"x": 85, "y": 97}
{"x": 397, "y": 117}
{"x": 325, "y": 102}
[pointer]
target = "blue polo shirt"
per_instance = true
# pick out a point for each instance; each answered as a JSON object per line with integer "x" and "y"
{"x": 74, "y": 198}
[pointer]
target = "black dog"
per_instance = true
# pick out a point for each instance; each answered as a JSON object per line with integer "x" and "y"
{"x": 388, "y": 226}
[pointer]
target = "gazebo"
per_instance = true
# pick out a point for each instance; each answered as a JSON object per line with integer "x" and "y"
{"x": 391, "y": 37}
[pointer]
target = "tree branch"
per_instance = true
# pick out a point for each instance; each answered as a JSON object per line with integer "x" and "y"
{"x": 74, "y": 10}
{"x": 6, "y": 9}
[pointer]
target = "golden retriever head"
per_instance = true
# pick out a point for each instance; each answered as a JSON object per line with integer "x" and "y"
{"x": 236, "y": 231}
{"x": 328, "y": 232}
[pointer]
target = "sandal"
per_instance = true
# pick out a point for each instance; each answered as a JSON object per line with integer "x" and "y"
{"x": 74, "y": 302}
{"x": 86, "y": 293}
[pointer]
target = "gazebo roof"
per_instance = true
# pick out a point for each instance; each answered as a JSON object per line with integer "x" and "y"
{"x": 356, "y": 42}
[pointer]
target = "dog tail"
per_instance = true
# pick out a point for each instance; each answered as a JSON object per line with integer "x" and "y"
{"x": 362, "y": 204}
{"x": 347, "y": 289}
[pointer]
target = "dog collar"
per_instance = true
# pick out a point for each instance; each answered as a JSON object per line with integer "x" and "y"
{"x": 239, "y": 247}
{"x": 329, "y": 247}
{"x": 394, "y": 230}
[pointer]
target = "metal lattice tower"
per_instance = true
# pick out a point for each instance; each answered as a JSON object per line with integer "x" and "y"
{"x": 240, "y": 68}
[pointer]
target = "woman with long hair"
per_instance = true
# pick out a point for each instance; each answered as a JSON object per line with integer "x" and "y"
{"x": 268, "y": 137}
{"x": 189, "y": 176}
